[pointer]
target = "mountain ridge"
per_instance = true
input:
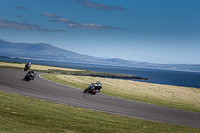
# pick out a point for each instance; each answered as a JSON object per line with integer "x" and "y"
{"x": 45, "y": 51}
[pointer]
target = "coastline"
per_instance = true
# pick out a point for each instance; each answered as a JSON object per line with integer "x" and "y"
{"x": 157, "y": 68}
{"x": 80, "y": 73}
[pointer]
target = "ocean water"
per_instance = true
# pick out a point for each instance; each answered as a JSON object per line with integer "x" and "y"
{"x": 168, "y": 77}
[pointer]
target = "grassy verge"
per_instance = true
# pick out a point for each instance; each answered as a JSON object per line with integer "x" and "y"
{"x": 20, "y": 66}
{"x": 22, "y": 114}
{"x": 183, "y": 98}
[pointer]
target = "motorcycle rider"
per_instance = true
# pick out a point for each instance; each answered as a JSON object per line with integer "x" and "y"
{"x": 30, "y": 72}
{"x": 28, "y": 65}
{"x": 34, "y": 73}
{"x": 97, "y": 85}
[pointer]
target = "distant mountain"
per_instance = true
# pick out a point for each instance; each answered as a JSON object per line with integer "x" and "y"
{"x": 41, "y": 51}
{"x": 49, "y": 52}
{"x": 175, "y": 67}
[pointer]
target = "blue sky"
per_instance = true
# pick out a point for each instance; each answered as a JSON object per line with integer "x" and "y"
{"x": 157, "y": 31}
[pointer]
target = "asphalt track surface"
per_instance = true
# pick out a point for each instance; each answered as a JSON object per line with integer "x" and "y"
{"x": 11, "y": 81}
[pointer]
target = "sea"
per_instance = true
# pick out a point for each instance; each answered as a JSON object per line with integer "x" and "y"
{"x": 167, "y": 77}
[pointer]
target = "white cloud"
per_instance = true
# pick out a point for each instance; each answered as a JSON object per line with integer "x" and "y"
{"x": 50, "y": 15}
{"x": 73, "y": 24}
{"x": 99, "y": 6}
{"x": 21, "y": 8}
{"x": 21, "y": 26}
{"x": 91, "y": 26}
{"x": 63, "y": 20}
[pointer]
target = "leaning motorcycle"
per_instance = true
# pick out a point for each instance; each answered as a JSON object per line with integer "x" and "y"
{"x": 26, "y": 67}
{"x": 93, "y": 88}
{"x": 29, "y": 76}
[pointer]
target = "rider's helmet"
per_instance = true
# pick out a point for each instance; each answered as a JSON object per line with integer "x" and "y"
{"x": 98, "y": 83}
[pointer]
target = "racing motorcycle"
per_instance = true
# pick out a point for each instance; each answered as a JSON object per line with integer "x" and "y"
{"x": 93, "y": 88}
{"x": 27, "y": 66}
{"x": 30, "y": 76}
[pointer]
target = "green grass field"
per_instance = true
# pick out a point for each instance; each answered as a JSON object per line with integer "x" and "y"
{"x": 22, "y": 114}
{"x": 19, "y": 114}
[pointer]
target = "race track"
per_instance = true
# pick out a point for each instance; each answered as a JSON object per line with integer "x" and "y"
{"x": 11, "y": 81}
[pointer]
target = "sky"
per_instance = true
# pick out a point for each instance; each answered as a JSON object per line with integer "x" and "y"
{"x": 156, "y": 31}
